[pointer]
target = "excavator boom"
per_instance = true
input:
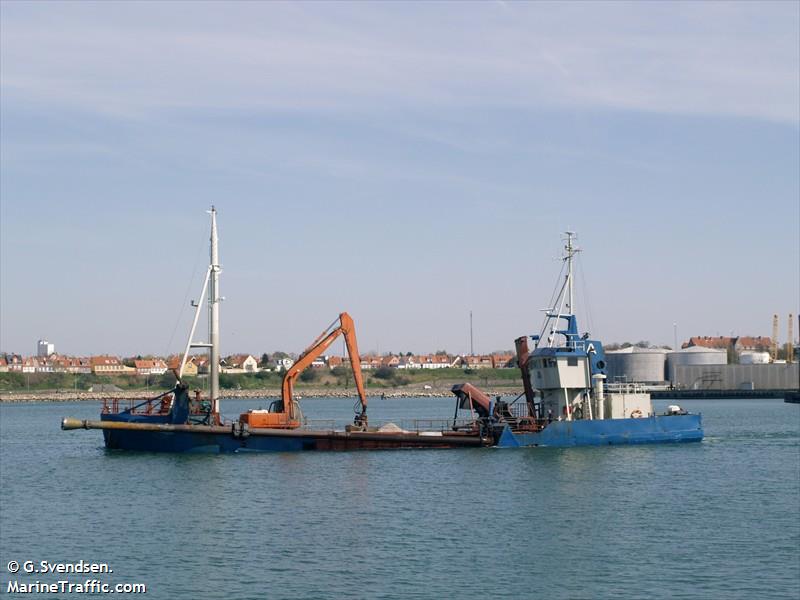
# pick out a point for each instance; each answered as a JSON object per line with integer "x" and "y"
{"x": 286, "y": 416}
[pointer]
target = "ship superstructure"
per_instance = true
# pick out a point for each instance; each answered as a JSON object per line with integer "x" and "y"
{"x": 569, "y": 369}
{"x": 568, "y": 401}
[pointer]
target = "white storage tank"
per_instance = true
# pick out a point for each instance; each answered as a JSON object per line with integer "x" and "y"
{"x": 694, "y": 356}
{"x": 641, "y": 365}
{"x": 754, "y": 358}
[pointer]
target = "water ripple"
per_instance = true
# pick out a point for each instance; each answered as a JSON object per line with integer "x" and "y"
{"x": 710, "y": 520}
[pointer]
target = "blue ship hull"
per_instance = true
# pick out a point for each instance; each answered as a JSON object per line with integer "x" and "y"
{"x": 650, "y": 430}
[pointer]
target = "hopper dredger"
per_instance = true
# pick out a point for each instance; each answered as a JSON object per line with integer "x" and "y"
{"x": 566, "y": 400}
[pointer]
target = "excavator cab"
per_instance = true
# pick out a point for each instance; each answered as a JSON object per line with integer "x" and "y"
{"x": 273, "y": 418}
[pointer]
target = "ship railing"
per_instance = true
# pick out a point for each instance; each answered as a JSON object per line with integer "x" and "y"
{"x": 438, "y": 425}
{"x": 528, "y": 424}
{"x": 519, "y": 417}
{"x": 576, "y": 344}
{"x": 624, "y": 387}
{"x": 408, "y": 425}
{"x": 323, "y": 424}
{"x": 519, "y": 411}
{"x": 199, "y": 407}
{"x": 157, "y": 405}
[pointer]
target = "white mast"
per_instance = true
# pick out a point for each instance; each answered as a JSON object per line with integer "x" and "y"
{"x": 568, "y": 258}
{"x": 213, "y": 316}
{"x": 565, "y": 298}
{"x": 211, "y": 283}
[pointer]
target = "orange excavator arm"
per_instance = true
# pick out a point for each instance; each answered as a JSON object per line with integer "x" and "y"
{"x": 347, "y": 328}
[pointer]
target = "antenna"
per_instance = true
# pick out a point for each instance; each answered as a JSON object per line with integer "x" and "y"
{"x": 563, "y": 306}
{"x": 471, "y": 343}
{"x": 213, "y": 316}
{"x": 571, "y": 251}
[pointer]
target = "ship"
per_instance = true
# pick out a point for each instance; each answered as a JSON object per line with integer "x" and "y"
{"x": 566, "y": 400}
{"x": 184, "y": 421}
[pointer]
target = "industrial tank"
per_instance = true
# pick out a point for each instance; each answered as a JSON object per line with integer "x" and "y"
{"x": 754, "y": 358}
{"x": 694, "y": 356}
{"x": 642, "y": 365}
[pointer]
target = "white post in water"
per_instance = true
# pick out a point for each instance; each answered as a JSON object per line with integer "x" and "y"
{"x": 213, "y": 317}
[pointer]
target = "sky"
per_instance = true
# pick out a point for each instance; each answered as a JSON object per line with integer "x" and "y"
{"x": 405, "y": 162}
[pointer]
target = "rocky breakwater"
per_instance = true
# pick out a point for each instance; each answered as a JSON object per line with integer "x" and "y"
{"x": 321, "y": 392}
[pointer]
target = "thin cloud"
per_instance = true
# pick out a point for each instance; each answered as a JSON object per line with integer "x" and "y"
{"x": 709, "y": 59}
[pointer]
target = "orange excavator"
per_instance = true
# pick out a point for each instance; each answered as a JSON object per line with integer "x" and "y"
{"x": 285, "y": 413}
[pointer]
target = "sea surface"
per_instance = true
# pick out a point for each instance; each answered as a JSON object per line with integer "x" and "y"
{"x": 717, "y": 519}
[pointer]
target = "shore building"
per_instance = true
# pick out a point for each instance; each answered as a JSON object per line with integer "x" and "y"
{"x": 45, "y": 348}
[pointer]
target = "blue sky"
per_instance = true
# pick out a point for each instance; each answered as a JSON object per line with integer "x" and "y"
{"x": 406, "y": 162}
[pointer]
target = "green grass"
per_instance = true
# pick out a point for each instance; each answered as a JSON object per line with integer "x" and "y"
{"x": 311, "y": 378}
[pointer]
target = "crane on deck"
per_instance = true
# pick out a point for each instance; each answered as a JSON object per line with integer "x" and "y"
{"x": 285, "y": 413}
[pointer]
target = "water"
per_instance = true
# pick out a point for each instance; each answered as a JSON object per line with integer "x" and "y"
{"x": 718, "y": 519}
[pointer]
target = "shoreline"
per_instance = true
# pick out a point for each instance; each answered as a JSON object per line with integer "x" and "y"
{"x": 391, "y": 393}
{"x": 274, "y": 393}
